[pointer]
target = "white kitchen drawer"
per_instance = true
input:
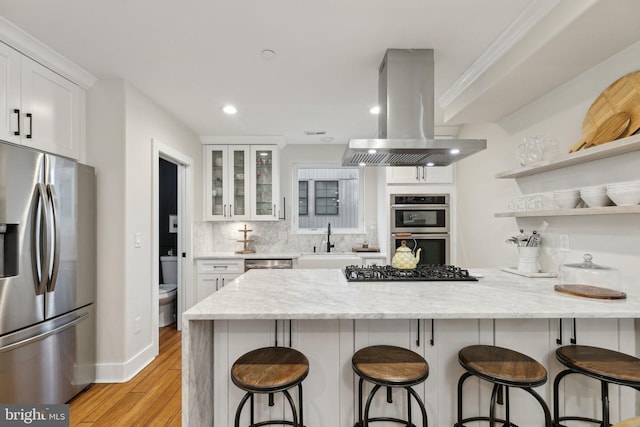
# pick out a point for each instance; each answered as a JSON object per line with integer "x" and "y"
{"x": 220, "y": 266}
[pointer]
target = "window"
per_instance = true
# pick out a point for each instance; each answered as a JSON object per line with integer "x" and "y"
{"x": 303, "y": 198}
{"x": 328, "y": 193}
{"x": 326, "y": 197}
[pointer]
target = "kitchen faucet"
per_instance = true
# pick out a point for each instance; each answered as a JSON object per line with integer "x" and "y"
{"x": 329, "y": 244}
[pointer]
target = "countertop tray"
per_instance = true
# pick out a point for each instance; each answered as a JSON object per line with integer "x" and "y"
{"x": 589, "y": 291}
{"x": 540, "y": 274}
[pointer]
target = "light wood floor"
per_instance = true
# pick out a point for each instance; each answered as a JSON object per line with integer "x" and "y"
{"x": 151, "y": 398}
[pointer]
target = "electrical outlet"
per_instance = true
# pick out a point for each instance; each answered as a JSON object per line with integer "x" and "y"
{"x": 564, "y": 243}
{"x": 137, "y": 325}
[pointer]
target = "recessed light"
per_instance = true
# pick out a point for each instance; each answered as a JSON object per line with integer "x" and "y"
{"x": 362, "y": 164}
{"x": 375, "y": 110}
{"x": 268, "y": 54}
{"x": 372, "y": 151}
{"x": 455, "y": 151}
{"x": 430, "y": 164}
{"x": 229, "y": 109}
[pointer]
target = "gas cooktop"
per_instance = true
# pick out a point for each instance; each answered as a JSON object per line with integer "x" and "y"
{"x": 424, "y": 273}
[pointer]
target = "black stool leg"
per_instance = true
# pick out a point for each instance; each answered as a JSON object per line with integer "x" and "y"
{"x": 368, "y": 404}
{"x": 492, "y": 408}
{"x": 461, "y": 381}
{"x": 300, "y": 406}
{"x": 293, "y": 408}
{"x": 359, "y": 424}
{"x": 547, "y": 414}
{"x": 413, "y": 393}
{"x": 239, "y": 410}
{"x": 604, "y": 387}
{"x": 556, "y": 396}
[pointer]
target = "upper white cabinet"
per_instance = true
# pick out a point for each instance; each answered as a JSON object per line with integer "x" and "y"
{"x": 227, "y": 182}
{"x": 38, "y": 107}
{"x": 420, "y": 175}
{"x": 241, "y": 182}
{"x": 266, "y": 185}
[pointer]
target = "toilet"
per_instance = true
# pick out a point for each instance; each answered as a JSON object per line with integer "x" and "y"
{"x": 168, "y": 290}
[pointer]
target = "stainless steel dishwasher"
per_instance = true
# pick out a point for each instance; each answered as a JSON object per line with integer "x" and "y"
{"x": 276, "y": 263}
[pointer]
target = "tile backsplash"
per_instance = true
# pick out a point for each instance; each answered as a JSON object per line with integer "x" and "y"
{"x": 270, "y": 237}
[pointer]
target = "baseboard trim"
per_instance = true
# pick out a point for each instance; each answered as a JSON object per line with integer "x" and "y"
{"x": 123, "y": 372}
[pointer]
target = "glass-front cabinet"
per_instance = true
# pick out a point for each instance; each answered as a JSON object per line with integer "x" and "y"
{"x": 266, "y": 186}
{"x": 241, "y": 182}
{"x": 227, "y": 182}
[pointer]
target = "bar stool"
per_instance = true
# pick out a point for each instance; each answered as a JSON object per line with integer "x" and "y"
{"x": 503, "y": 368}
{"x": 607, "y": 366}
{"x": 390, "y": 367}
{"x": 270, "y": 370}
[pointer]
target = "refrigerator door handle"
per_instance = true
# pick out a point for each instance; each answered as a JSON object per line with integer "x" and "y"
{"x": 54, "y": 258}
{"x": 40, "y": 239}
{"x": 43, "y": 335}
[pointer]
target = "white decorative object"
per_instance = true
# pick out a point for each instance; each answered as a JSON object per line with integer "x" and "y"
{"x": 528, "y": 261}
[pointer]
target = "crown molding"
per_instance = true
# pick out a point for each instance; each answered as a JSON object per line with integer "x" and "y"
{"x": 515, "y": 32}
{"x": 26, "y": 44}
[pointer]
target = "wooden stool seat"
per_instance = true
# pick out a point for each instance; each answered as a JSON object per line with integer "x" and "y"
{"x": 604, "y": 365}
{"x": 601, "y": 363}
{"x": 390, "y": 366}
{"x": 504, "y": 368}
{"x": 502, "y": 365}
{"x": 269, "y": 369}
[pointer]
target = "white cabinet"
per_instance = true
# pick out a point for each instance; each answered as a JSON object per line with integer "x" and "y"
{"x": 241, "y": 182}
{"x": 227, "y": 182}
{"x": 213, "y": 274}
{"x": 38, "y": 108}
{"x": 328, "y": 344}
{"x": 420, "y": 175}
{"x": 265, "y": 191}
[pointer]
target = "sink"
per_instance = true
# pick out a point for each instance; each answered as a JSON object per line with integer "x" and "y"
{"x": 328, "y": 260}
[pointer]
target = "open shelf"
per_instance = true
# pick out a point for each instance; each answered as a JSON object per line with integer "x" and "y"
{"x": 605, "y": 210}
{"x": 614, "y": 148}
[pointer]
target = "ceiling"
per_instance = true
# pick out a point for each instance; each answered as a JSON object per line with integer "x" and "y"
{"x": 194, "y": 56}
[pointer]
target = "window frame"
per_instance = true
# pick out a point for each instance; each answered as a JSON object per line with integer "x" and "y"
{"x": 361, "y": 227}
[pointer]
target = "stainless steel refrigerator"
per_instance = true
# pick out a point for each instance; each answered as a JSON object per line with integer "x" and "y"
{"x": 47, "y": 276}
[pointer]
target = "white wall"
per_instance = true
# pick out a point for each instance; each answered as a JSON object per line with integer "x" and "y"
{"x": 122, "y": 122}
{"x": 613, "y": 240}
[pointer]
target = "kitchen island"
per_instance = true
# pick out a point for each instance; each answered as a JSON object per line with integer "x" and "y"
{"x": 328, "y": 318}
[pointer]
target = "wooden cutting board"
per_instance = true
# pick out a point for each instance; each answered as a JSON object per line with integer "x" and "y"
{"x": 365, "y": 249}
{"x": 623, "y": 95}
{"x": 611, "y": 129}
{"x": 589, "y": 291}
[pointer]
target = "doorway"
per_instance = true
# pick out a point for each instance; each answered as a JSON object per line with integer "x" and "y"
{"x": 172, "y": 171}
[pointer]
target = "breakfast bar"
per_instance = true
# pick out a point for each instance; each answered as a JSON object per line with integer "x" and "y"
{"x": 327, "y": 317}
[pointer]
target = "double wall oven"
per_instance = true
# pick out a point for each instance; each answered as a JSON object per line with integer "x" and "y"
{"x": 423, "y": 221}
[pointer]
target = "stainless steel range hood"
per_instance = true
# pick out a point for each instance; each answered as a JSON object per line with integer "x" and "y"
{"x": 405, "y": 124}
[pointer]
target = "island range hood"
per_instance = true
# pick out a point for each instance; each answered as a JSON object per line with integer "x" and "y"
{"x": 405, "y": 123}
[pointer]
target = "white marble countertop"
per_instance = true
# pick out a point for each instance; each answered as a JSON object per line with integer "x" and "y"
{"x": 326, "y": 294}
{"x": 284, "y": 255}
